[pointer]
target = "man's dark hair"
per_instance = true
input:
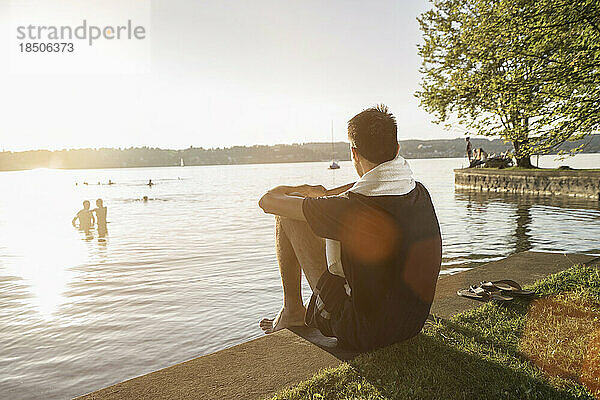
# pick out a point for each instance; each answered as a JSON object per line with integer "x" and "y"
{"x": 373, "y": 133}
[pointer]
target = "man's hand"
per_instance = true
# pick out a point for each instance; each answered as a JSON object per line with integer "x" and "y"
{"x": 282, "y": 190}
{"x": 311, "y": 190}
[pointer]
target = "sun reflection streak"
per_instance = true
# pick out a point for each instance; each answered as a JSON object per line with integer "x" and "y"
{"x": 38, "y": 239}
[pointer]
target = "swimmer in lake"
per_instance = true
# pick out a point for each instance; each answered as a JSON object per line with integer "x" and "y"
{"x": 85, "y": 217}
{"x": 145, "y": 199}
{"x": 100, "y": 211}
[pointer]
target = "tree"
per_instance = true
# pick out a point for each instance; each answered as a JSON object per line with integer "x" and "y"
{"x": 564, "y": 37}
{"x": 512, "y": 69}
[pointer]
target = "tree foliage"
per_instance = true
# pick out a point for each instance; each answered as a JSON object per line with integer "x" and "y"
{"x": 525, "y": 70}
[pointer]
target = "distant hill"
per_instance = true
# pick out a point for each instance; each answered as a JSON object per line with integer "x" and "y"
{"x": 456, "y": 147}
{"x": 281, "y": 153}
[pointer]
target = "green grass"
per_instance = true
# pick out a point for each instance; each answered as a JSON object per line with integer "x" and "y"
{"x": 483, "y": 353}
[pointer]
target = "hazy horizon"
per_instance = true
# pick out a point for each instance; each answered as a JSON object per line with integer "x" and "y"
{"x": 229, "y": 146}
{"x": 256, "y": 74}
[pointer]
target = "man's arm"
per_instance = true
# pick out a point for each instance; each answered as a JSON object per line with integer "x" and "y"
{"x": 280, "y": 201}
{"x": 338, "y": 190}
{"x": 286, "y": 201}
{"x": 93, "y": 219}
{"x": 320, "y": 191}
{"x": 75, "y": 219}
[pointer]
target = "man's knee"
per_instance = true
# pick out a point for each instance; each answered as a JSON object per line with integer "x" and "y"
{"x": 291, "y": 226}
{"x": 279, "y": 222}
{"x": 282, "y": 225}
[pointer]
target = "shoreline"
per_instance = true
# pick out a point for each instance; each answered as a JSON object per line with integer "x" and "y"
{"x": 543, "y": 170}
{"x": 263, "y": 367}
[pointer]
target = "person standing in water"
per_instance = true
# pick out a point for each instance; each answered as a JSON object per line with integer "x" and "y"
{"x": 100, "y": 211}
{"x": 85, "y": 217}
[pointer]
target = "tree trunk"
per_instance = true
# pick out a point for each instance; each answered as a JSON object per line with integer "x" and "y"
{"x": 524, "y": 162}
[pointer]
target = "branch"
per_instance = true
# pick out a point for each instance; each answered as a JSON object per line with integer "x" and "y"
{"x": 592, "y": 24}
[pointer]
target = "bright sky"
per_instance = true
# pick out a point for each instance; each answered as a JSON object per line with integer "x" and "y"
{"x": 223, "y": 73}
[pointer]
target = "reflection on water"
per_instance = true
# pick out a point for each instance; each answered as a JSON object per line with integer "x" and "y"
{"x": 192, "y": 269}
{"x": 571, "y": 218}
{"x": 522, "y": 236}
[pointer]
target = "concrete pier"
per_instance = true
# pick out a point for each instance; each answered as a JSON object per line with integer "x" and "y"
{"x": 573, "y": 183}
{"x": 264, "y": 366}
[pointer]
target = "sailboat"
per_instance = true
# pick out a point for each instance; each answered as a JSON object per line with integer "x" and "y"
{"x": 334, "y": 164}
{"x": 181, "y": 162}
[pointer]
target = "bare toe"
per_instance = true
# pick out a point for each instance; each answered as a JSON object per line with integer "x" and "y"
{"x": 266, "y": 323}
{"x": 284, "y": 319}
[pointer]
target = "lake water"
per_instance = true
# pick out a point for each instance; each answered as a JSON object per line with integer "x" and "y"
{"x": 193, "y": 270}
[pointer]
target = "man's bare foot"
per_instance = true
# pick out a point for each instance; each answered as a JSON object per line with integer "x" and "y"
{"x": 284, "y": 319}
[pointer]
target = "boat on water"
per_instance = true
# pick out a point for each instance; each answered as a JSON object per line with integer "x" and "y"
{"x": 181, "y": 162}
{"x": 334, "y": 164}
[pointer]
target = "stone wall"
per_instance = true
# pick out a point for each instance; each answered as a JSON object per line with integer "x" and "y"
{"x": 574, "y": 183}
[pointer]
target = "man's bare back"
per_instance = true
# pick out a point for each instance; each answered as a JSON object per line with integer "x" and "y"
{"x": 85, "y": 217}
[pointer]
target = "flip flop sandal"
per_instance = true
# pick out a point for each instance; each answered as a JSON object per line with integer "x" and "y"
{"x": 481, "y": 294}
{"x": 507, "y": 286}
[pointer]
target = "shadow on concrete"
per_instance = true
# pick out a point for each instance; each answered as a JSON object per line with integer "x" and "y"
{"x": 595, "y": 262}
{"x": 329, "y": 344}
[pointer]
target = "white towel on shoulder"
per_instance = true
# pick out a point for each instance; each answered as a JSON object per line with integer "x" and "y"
{"x": 391, "y": 178}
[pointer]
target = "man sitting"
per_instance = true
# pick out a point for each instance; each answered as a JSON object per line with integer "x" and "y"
{"x": 371, "y": 251}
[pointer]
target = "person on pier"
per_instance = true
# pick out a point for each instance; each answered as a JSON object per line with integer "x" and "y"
{"x": 370, "y": 250}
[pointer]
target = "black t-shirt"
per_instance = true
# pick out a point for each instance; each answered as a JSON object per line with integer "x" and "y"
{"x": 391, "y": 256}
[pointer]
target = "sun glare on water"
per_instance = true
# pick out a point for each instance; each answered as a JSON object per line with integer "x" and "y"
{"x": 38, "y": 238}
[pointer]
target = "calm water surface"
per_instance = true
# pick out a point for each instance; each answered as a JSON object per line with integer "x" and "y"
{"x": 193, "y": 270}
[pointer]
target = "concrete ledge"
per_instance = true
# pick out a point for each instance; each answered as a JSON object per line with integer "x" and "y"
{"x": 573, "y": 183}
{"x": 247, "y": 371}
{"x": 264, "y": 366}
{"x": 525, "y": 268}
